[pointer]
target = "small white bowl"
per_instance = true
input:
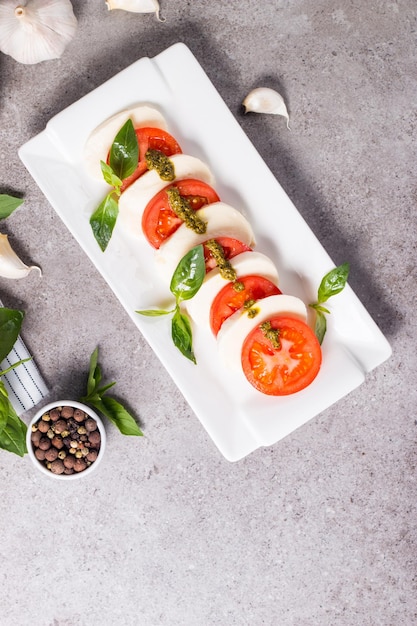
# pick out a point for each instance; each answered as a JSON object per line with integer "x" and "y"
{"x": 76, "y": 405}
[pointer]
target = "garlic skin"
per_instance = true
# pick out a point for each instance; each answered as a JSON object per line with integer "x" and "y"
{"x": 10, "y": 264}
{"x": 136, "y": 6}
{"x": 32, "y": 31}
{"x": 266, "y": 100}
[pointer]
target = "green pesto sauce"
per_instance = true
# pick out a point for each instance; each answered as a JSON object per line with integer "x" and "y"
{"x": 238, "y": 286}
{"x": 271, "y": 333}
{"x": 156, "y": 160}
{"x": 225, "y": 267}
{"x": 249, "y": 304}
{"x": 182, "y": 208}
{"x": 249, "y": 307}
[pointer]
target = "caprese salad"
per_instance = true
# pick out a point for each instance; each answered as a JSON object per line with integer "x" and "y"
{"x": 169, "y": 199}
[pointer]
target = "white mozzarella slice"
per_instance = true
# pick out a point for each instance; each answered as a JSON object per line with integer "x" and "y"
{"x": 222, "y": 221}
{"x": 235, "y": 329}
{"x": 246, "y": 263}
{"x": 100, "y": 140}
{"x": 133, "y": 201}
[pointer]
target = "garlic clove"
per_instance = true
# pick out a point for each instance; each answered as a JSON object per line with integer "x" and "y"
{"x": 266, "y": 100}
{"x": 32, "y": 31}
{"x": 136, "y": 6}
{"x": 10, "y": 264}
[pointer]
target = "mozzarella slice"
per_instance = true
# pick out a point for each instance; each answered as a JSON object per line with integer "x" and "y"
{"x": 235, "y": 329}
{"x": 253, "y": 263}
{"x": 100, "y": 140}
{"x": 222, "y": 221}
{"x": 133, "y": 201}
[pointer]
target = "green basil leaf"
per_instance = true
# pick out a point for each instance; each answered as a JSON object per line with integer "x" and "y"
{"x": 320, "y": 326}
{"x": 110, "y": 407}
{"x": 333, "y": 282}
{"x": 104, "y": 219}
{"x": 94, "y": 377}
{"x": 117, "y": 414}
{"x": 110, "y": 177}
{"x": 154, "y": 312}
{"x": 182, "y": 335}
{"x": 124, "y": 153}
{"x": 94, "y": 373}
{"x": 10, "y": 325}
{"x": 4, "y": 407}
{"x": 189, "y": 274}
{"x": 8, "y": 204}
{"x": 13, "y": 435}
{"x": 3, "y": 390}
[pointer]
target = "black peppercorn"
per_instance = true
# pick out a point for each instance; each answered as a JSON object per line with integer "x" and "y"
{"x": 66, "y": 440}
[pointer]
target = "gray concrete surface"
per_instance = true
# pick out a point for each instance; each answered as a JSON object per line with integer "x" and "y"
{"x": 319, "y": 529}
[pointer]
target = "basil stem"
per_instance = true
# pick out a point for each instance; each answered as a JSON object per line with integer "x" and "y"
{"x": 154, "y": 312}
{"x": 108, "y": 406}
{"x": 12, "y": 367}
{"x": 331, "y": 284}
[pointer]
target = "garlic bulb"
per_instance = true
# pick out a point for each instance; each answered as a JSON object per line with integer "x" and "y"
{"x": 266, "y": 100}
{"x": 36, "y": 30}
{"x": 135, "y": 6}
{"x": 10, "y": 264}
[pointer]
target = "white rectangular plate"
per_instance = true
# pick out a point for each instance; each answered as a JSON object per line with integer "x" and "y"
{"x": 238, "y": 418}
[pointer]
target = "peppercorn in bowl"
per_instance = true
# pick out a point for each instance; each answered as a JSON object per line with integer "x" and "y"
{"x": 66, "y": 440}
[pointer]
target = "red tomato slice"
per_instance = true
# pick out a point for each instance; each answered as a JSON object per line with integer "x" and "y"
{"x": 228, "y": 300}
{"x": 231, "y": 247}
{"x": 285, "y": 370}
{"x": 155, "y": 139}
{"x": 159, "y": 221}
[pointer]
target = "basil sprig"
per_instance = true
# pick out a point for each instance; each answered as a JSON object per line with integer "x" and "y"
{"x": 108, "y": 406}
{"x": 186, "y": 281}
{"x": 12, "y": 428}
{"x": 8, "y": 204}
{"x": 123, "y": 160}
{"x": 332, "y": 283}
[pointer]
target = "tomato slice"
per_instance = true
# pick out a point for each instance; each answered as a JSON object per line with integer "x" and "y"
{"x": 228, "y": 300}
{"x": 151, "y": 138}
{"x": 287, "y": 369}
{"x": 231, "y": 247}
{"x": 159, "y": 221}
